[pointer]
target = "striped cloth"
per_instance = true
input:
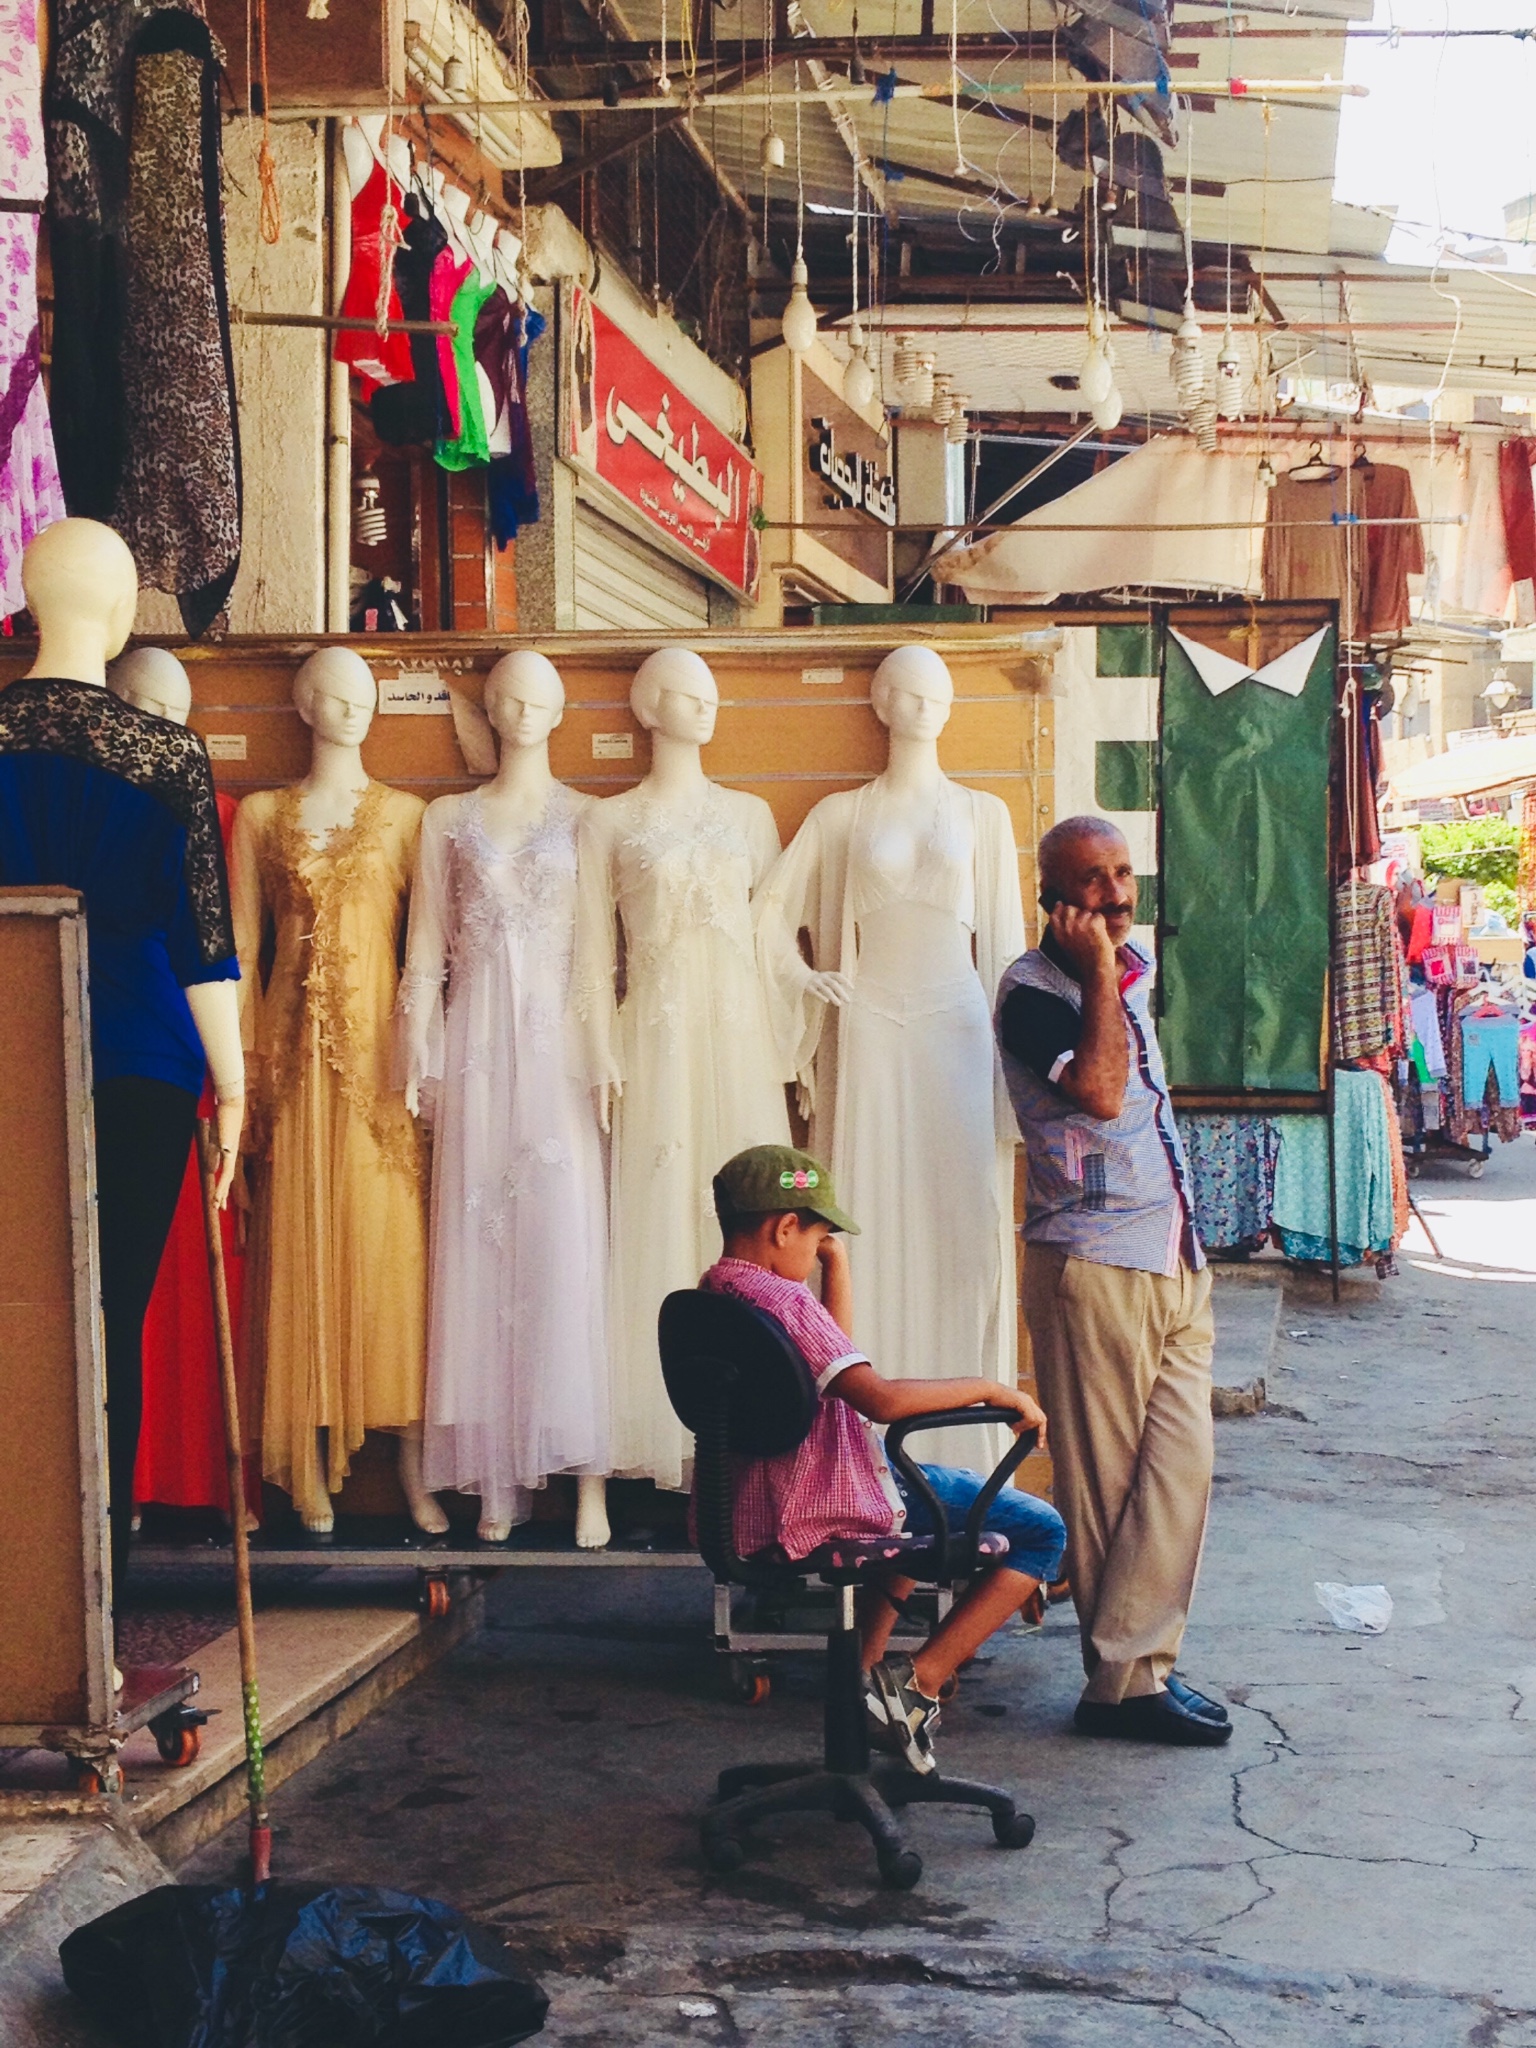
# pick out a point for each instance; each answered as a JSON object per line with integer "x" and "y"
{"x": 1369, "y": 981}
{"x": 833, "y": 1485}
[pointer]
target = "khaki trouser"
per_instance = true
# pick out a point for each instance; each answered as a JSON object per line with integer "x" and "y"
{"x": 1123, "y": 1364}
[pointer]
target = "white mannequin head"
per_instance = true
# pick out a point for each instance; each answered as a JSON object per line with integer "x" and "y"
{"x": 152, "y": 679}
{"x": 335, "y": 695}
{"x": 912, "y": 693}
{"x": 524, "y": 698}
{"x": 674, "y": 694}
{"x": 79, "y": 577}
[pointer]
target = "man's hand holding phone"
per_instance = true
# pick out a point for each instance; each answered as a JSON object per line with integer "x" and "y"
{"x": 1083, "y": 937}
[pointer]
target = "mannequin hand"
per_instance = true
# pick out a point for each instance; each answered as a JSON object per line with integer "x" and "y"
{"x": 805, "y": 1101}
{"x": 413, "y": 1098}
{"x": 832, "y": 988}
{"x": 607, "y": 1094}
{"x": 228, "y": 1120}
{"x": 1084, "y": 937}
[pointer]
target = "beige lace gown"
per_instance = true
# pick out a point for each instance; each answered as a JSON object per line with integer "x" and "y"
{"x": 337, "y": 1287}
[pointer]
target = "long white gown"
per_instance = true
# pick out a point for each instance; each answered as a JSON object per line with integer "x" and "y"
{"x": 518, "y": 1381}
{"x": 907, "y": 1102}
{"x": 691, "y": 1046}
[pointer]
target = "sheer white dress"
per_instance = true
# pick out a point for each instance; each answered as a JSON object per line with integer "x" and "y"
{"x": 518, "y": 1382}
{"x": 922, "y": 912}
{"x": 691, "y": 1047}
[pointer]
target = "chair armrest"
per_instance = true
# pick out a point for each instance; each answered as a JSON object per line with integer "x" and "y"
{"x": 958, "y": 1560}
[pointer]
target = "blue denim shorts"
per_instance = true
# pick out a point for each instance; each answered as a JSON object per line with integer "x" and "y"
{"x": 1037, "y": 1536}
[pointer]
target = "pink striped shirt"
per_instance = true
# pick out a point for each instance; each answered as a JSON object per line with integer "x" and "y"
{"x": 835, "y": 1484}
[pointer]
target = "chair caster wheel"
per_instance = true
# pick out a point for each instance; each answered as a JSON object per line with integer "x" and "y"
{"x": 1013, "y": 1830}
{"x": 179, "y": 1746}
{"x": 747, "y": 1683}
{"x": 901, "y": 1869}
{"x": 723, "y": 1853}
{"x": 435, "y": 1599}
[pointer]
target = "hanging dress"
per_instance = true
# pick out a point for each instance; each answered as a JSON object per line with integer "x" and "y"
{"x": 376, "y": 359}
{"x": 692, "y": 1049}
{"x": 30, "y": 497}
{"x": 471, "y": 446}
{"x": 908, "y": 1107}
{"x": 517, "y": 1362}
{"x": 337, "y": 1275}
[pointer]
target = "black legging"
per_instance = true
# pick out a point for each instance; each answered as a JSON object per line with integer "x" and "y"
{"x": 143, "y": 1132}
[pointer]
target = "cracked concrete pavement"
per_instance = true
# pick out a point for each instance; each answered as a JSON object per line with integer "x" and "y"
{"x": 1356, "y": 1867}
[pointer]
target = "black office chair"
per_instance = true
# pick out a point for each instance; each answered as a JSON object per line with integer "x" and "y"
{"x": 736, "y": 1378}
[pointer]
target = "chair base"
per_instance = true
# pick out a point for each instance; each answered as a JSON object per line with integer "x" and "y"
{"x": 749, "y": 1792}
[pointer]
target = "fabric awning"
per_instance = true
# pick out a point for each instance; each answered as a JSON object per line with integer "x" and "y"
{"x": 1468, "y": 771}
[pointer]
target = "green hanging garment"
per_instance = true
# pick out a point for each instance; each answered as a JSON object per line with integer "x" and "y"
{"x": 1244, "y": 954}
{"x": 471, "y": 447}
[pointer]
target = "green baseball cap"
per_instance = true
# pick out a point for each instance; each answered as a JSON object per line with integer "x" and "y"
{"x": 765, "y": 1180}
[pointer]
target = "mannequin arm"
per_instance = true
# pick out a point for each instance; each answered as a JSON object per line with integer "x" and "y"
{"x": 419, "y": 1004}
{"x": 215, "y": 1007}
{"x": 596, "y": 964}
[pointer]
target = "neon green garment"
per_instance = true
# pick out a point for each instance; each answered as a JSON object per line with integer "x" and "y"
{"x": 1244, "y": 954}
{"x": 472, "y": 446}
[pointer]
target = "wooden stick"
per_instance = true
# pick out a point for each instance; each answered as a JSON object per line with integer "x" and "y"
{"x": 255, "y": 1763}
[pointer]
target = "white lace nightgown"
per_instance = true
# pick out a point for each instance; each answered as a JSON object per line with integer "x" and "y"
{"x": 692, "y": 1049}
{"x": 517, "y": 1363}
{"x": 922, "y": 914}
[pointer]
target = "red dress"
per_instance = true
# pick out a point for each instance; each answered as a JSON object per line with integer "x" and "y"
{"x": 376, "y": 361}
{"x": 181, "y": 1439}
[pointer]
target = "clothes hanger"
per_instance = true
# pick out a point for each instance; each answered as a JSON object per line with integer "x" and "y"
{"x": 1362, "y": 460}
{"x": 1314, "y": 469}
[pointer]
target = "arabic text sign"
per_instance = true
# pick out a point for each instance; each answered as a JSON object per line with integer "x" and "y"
{"x": 648, "y": 442}
{"x": 420, "y": 691}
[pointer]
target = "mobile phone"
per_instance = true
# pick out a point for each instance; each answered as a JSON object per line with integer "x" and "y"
{"x": 1049, "y": 898}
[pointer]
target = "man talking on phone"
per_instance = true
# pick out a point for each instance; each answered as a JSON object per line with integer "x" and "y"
{"x": 1116, "y": 1291}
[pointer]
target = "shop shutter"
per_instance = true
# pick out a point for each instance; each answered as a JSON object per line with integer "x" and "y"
{"x": 624, "y": 586}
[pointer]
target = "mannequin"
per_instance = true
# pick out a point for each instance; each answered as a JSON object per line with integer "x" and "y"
{"x": 909, "y": 891}
{"x": 517, "y": 1360}
{"x": 181, "y": 1461}
{"x": 338, "y": 1279}
{"x": 685, "y": 1069}
{"x": 97, "y": 794}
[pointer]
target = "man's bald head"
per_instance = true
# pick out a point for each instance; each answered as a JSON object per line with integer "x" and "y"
{"x": 1085, "y": 861}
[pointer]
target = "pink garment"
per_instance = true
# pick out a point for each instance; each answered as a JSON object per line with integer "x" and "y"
{"x": 448, "y": 273}
{"x": 833, "y": 1485}
{"x": 30, "y": 496}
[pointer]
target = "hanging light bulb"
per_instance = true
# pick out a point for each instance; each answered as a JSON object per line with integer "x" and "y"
{"x": 799, "y": 314}
{"x": 957, "y": 426}
{"x": 454, "y": 76}
{"x": 1109, "y": 410}
{"x": 771, "y": 153}
{"x": 1229, "y": 379}
{"x": 858, "y": 377}
{"x": 370, "y": 528}
{"x": 1188, "y": 358}
{"x": 903, "y": 361}
{"x": 941, "y": 407}
{"x": 1266, "y": 477}
{"x": 1202, "y": 418}
{"x": 922, "y": 379}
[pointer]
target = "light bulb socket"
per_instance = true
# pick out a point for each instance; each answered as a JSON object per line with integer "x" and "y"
{"x": 771, "y": 154}
{"x": 455, "y": 77}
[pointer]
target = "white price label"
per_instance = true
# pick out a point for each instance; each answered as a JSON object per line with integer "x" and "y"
{"x": 821, "y": 675}
{"x": 613, "y": 746}
{"x": 420, "y": 692}
{"x": 226, "y": 746}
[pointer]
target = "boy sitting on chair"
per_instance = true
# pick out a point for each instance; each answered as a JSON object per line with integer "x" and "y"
{"x": 780, "y": 1220}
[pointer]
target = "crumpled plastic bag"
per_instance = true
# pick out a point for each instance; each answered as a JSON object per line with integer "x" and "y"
{"x": 1363, "y": 1610}
{"x": 297, "y": 1966}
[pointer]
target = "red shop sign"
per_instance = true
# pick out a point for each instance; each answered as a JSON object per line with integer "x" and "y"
{"x": 630, "y": 427}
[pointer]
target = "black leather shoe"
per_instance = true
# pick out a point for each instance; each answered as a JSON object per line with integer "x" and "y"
{"x": 1153, "y": 1717}
{"x": 1197, "y": 1702}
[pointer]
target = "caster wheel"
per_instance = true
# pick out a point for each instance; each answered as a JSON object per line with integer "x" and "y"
{"x": 949, "y": 1688}
{"x": 1478, "y": 1168}
{"x": 901, "y": 1869}
{"x": 88, "y": 1781}
{"x": 748, "y": 1684}
{"x": 179, "y": 1746}
{"x": 1013, "y": 1830}
{"x": 435, "y": 1599}
{"x": 723, "y": 1853}
{"x": 1414, "y": 1169}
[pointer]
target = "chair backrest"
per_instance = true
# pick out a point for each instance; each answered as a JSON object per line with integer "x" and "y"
{"x": 737, "y": 1379}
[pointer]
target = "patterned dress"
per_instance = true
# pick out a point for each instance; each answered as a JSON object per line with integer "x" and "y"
{"x": 30, "y": 497}
{"x": 517, "y": 1358}
{"x": 336, "y": 1281}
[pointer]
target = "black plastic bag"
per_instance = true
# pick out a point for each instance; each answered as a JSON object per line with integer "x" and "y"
{"x": 297, "y": 1966}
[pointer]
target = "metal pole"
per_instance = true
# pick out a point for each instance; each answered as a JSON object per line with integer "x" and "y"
{"x": 338, "y": 407}
{"x": 1013, "y": 490}
{"x": 255, "y": 1764}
